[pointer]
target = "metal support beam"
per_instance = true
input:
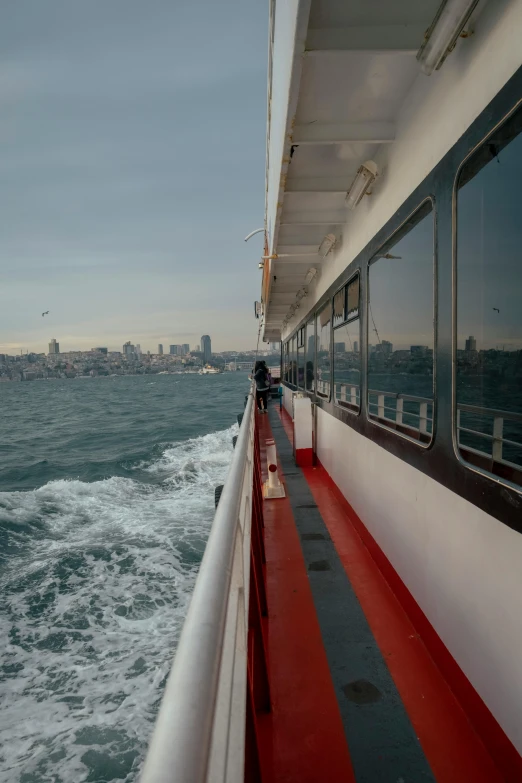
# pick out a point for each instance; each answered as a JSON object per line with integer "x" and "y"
{"x": 345, "y": 133}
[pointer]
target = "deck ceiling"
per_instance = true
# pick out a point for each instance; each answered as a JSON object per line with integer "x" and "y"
{"x": 355, "y": 67}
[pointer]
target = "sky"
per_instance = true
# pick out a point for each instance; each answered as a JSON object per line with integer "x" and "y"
{"x": 132, "y": 155}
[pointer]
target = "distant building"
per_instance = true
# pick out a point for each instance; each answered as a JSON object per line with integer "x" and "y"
{"x": 101, "y": 350}
{"x": 275, "y": 346}
{"x": 471, "y": 343}
{"x": 175, "y": 350}
{"x": 128, "y": 349}
{"x": 197, "y": 349}
{"x": 206, "y": 348}
{"x": 185, "y": 349}
{"x": 339, "y": 347}
{"x": 384, "y": 347}
{"x": 311, "y": 345}
{"x": 160, "y": 349}
{"x": 355, "y": 346}
{"x": 54, "y": 347}
{"x": 138, "y": 350}
{"x": 419, "y": 351}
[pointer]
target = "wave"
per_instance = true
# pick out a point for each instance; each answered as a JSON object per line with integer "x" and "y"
{"x": 96, "y": 580}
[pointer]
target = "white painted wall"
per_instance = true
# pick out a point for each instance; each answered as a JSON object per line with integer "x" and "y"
{"x": 285, "y": 28}
{"x": 437, "y": 111}
{"x": 462, "y": 566}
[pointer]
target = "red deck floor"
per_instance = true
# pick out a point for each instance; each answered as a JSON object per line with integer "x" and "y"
{"x": 303, "y": 739}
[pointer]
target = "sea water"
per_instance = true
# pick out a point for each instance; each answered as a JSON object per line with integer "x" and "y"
{"x": 106, "y": 501}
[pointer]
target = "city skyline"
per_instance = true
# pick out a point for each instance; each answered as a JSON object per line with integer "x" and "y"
{"x": 120, "y": 215}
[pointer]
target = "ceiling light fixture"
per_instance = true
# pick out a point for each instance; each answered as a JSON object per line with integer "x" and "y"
{"x": 327, "y": 245}
{"x": 443, "y": 33}
{"x": 312, "y": 272}
{"x": 364, "y": 179}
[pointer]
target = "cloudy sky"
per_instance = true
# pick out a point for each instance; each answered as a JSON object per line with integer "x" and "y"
{"x": 132, "y": 141}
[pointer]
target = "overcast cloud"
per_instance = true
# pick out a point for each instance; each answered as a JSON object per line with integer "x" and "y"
{"x": 132, "y": 140}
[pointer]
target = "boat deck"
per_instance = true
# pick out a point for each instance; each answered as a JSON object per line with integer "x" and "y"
{"x": 355, "y": 693}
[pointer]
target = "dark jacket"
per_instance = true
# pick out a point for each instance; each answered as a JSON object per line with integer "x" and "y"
{"x": 261, "y": 380}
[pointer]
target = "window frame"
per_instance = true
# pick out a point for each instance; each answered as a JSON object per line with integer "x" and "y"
{"x": 348, "y": 320}
{"x": 497, "y": 479}
{"x": 414, "y": 217}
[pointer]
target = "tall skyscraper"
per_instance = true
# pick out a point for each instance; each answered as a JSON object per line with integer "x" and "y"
{"x": 54, "y": 347}
{"x": 175, "y": 350}
{"x": 185, "y": 349}
{"x": 160, "y": 349}
{"x": 471, "y": 343}
{"x": 206, "y": 348}
{"x": 138, "y": 350}
{"x": 128, "y": 349}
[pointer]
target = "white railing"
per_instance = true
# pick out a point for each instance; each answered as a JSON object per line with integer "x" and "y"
{"x": 497, "y": 433}
{"x": 380, "y": 409}
{"x": 199, "y": 735}
{"x": 323, "y": 387}
{"x": 347, "y": 392}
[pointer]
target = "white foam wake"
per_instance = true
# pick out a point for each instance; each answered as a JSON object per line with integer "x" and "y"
{"x": 93, "y": 599}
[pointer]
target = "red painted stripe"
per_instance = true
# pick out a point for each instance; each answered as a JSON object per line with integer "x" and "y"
{"x": 302, "y": 740}
{"x": 304, "y": 458}
{"x": 460, "y": 737}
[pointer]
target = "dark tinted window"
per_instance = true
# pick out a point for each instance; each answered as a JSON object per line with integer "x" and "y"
{"x": 293, "y": 361}
{"x": 310, "y": 354}
{"x": 323, "y": 326}
{"x": 346, "y": 348}
{"x": 300, "y": 357}
{"x": 401, "y": 329}
{"x": 489, "y": 305}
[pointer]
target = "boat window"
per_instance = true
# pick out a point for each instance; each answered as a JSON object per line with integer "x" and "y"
{"x": 488, "y": 372}
{"x": 293, "y": 362}
{"x": 286, "y": 361}
{"x": 401, "y": 329}
{"x": 300, "y": 358}
{"x": 346, "y": 345}
{"x": 310, "y": 355}
{"x": 324, "y": 323}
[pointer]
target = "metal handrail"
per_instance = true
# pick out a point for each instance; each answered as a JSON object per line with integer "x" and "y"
{"x": 401, "y": 396}
{"x": 181, "y": 744}
{"x": 477, "y": 409}
{"x": 497, "y": 438}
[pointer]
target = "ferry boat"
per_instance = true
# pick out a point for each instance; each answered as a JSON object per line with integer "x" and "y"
{"x": 208, "y": 370}
{"x": 358, "y": 611}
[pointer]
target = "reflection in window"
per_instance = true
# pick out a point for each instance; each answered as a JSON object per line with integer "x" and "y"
{"x": 310, "y": 354}
{"x": 346, "y": 344}
{"x": 401, "y": 330}
{"x": 489, "y": 305}
{"x": 286, "y": 361}
{"x": 324, "y": 321}
{"x": 293, "y": 361}
{"x": 300, "y": 358}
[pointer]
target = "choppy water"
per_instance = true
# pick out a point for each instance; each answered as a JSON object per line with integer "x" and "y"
{"x": 106, "y": 499}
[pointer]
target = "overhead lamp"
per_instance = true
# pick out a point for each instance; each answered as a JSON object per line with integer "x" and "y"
{"x": 261, "y": 265}
{"x": 301, "y": 294}
{"x": 327, "y": 245}
{"x": 310, "y": 275}
{"x": 443, "y": 33}
{"x": 364, "y": 179}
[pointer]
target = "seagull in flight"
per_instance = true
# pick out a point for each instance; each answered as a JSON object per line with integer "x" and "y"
{"x": 496, "y": 308}
{"x": 46, "y": 313}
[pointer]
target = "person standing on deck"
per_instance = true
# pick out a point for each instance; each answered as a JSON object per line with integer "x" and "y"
{"x": 262, "y": 386}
